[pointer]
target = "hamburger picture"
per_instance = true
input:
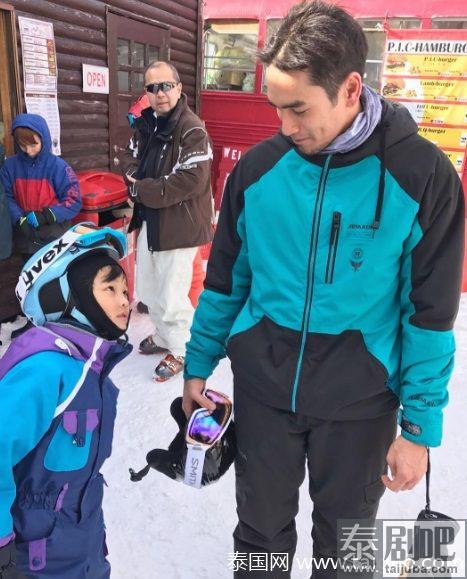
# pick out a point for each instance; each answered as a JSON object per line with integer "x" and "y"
{"x": 396, "y": 61}
{"x": 393, "y": 87}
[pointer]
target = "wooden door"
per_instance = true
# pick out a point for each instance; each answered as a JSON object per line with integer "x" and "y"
{"x": 131, "y": 46}
{"x": 10, "y": 96}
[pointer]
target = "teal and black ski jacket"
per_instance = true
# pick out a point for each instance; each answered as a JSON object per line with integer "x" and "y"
{"x": 333, "y": 281}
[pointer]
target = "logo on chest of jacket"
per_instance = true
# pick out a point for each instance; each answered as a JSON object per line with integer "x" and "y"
{"x": 356, "y": 258}
{"x": 360, "y": 230}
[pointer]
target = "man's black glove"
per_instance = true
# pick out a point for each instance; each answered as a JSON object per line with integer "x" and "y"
{"x": 49, "y": 216}
{"x": 39, "y": 218}
{"x": 24, "y": 227}
{"x": 8, "y": 568}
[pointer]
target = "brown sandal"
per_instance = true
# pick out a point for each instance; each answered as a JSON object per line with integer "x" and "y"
{"x": 169, "y": 367}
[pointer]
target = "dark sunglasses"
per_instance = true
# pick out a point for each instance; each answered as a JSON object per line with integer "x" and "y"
{"x": 155, "y": 87}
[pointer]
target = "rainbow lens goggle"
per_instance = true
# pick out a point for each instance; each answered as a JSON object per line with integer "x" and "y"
{"x": 204, "y": 429}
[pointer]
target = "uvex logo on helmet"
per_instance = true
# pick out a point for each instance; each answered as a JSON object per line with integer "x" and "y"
{"x": 36, "y": 269}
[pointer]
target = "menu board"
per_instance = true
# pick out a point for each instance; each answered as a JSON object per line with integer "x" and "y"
{"x": 39, "y": 57}
{"x": 426, "y": 70}
{"x": 40, "y": 73}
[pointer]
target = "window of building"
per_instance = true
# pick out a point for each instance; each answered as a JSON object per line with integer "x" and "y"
{"x": 404, "y": 23}
{"x": 230, "y": 55}
{"x": 10, "y": 101}
{"x": 272, "y": 26}
{"x": 132, "y": 59}
{"x": 376, "y": 38}
{"x": 456, "y": 23}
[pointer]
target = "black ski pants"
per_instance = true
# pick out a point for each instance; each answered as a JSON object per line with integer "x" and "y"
{"x": 345, "y": 461}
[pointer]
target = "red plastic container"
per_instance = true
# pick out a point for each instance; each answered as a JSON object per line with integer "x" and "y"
{"x": 101, "y": 193}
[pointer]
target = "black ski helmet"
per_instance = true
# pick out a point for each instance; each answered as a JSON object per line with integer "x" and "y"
{"x": 171, "y": 462}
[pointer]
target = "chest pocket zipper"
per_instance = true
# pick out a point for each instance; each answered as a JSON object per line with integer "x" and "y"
{"x": 161, "y": 156}
{"x": 333, "y": 243}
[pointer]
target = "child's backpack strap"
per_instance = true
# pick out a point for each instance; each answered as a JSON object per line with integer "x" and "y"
{"x": 87, "y": 366}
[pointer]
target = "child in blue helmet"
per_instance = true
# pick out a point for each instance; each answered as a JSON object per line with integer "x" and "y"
{"x": 42, "y": 189}
{"x": 58, "y": 408}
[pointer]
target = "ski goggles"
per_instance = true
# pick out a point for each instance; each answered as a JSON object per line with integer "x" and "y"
{"x": 155, "y": 87}
{"x": 204, "y": 429}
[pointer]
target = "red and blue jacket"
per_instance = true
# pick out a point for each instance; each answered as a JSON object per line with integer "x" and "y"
{"x": 33, "y": 183}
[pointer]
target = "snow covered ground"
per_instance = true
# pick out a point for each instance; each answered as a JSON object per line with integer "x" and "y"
{"x": 158, "y": 528}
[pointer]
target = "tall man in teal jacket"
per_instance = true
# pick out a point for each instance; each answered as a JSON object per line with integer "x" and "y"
{"x": 333, "y": 285}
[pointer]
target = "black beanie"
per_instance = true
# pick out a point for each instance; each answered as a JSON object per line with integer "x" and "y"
{"x": 81, "y": 275}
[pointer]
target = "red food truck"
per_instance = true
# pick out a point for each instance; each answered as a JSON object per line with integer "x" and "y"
{"x": 233, "y": 100}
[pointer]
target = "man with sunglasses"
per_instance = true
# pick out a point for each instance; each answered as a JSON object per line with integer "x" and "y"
{"x": 332, "y": 285}
{"x": 168, "y": 167}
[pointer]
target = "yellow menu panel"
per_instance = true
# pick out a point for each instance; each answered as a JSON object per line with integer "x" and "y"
{"x": 449, "y": 138}
{"x": 435, "y": 65}
{"x": 456, "y": 159}
{"x": 425, "y": 89}
{"x": 438, "y": 114}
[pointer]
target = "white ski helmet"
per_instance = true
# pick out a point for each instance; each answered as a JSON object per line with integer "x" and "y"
{"x": 43, "y": 289}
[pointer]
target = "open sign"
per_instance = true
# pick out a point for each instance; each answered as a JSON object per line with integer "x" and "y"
{"x": 95, "y": 79}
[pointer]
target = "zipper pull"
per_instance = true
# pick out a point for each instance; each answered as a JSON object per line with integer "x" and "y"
{"x": 336, "y": 223}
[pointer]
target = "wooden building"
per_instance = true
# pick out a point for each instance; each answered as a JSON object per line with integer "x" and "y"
{"x": 123, "y": 35}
